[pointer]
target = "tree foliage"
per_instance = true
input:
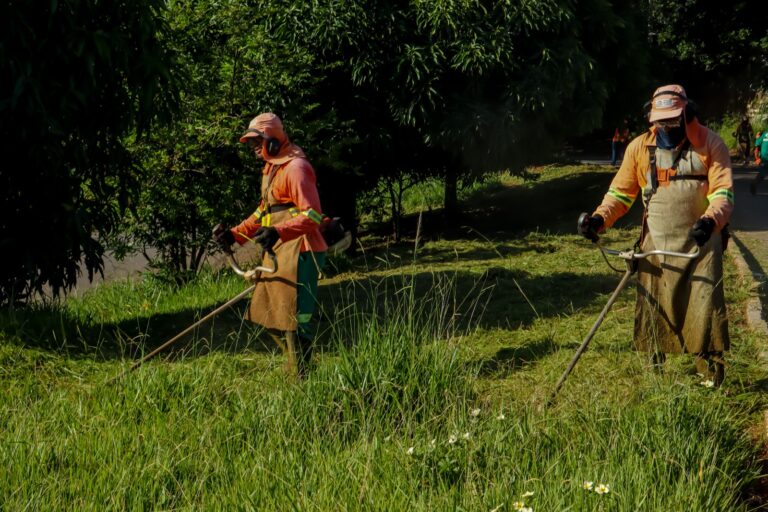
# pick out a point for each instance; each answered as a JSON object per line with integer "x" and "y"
{"x": 458, "y": 88}
{"x": 77, "y": 76}
{"x": 718, "y": 50}
{"x": 195, "y": 172}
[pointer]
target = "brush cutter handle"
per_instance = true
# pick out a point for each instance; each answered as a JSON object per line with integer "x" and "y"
{"x": 632, "y": 255}
{"x": 250, "y": 274}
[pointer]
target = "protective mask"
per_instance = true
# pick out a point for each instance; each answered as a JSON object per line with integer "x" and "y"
{"x": 670, "y": 138}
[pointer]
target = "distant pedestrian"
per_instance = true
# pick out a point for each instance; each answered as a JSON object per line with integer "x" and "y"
{"x": 744, "y": 139}
{"x": 761, "y": 144}
{"x": 619, "y": 142}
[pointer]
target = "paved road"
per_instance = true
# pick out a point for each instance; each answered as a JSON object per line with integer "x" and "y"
{"x": 751, "y": 212}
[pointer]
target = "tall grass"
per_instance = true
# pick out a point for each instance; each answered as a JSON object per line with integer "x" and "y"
{"x": 389, "y": 420}
{"x": 425, "y": 395}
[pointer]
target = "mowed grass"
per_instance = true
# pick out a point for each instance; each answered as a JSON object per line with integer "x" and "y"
{"x": 429, "y": 392}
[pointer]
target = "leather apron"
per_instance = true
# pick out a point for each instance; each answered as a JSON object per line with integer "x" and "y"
{"x": 274, "y": 301}
{"x": 680, "y": 303}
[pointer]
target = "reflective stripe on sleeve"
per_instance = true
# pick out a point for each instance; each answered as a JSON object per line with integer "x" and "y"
{"x": 724, "y": 193}
{"x": 304, "y": 318}
{"x": 312, "y": 214}
{"x": 624, "y": 199}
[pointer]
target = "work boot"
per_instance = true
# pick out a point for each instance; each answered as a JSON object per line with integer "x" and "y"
{"x": 712, "y": 367}
{"x": 293, "y": 363}
{"x": 657, "y": 361}
{"x": 306, "y": 347}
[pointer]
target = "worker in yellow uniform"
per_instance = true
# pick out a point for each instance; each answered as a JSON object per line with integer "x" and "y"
{"x": 683, "y": 171}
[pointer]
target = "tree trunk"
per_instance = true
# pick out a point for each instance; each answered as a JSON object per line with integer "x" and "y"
{"x": 395, "y": 206}
{"x": 451, "y": 200}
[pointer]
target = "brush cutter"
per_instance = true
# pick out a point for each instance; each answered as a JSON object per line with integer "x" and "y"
{"x": 630, "y": 257}
{"x": 248, "y": 275}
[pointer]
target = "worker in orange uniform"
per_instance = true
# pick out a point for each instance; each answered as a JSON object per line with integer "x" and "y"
{"x": 683, "y": 171}
{"x": 287, "y": 221}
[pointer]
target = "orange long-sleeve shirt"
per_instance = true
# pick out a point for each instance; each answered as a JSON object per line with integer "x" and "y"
{"x": 631, "y": 177}
{"x": 293, "y": 182}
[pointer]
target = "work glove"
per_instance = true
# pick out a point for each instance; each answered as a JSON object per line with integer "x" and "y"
{"x": 223, "y": 236}
{"x": 267, "y": 237}
{"x": 589, "y": 227}
{"x": 702, "y": 230}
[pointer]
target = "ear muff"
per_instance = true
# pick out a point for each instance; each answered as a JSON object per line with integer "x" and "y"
{"x": 272, "y": 146}
{"x": 691, "y": 111}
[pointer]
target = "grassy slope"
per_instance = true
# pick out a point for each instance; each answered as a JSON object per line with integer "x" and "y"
{"x": 451, "y": 355}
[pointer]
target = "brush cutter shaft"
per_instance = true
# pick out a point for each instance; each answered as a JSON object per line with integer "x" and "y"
{"x": 585, "y": 343}
{"x": 629, "y": 257}
{"x": 173, "y": 340}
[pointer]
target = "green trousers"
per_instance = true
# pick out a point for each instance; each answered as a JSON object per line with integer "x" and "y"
{"x": 310, "y": 264}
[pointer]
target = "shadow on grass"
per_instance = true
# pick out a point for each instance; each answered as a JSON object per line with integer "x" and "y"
{"x": 467, "y": 301}
{"x": 501, "y": 213}
{"x": 508, "y": 359}
{"x": 757, "y": 270}
{"x": 497, "y": 211}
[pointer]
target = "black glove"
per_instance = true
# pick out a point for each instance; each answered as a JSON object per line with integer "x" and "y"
{"x": 223, "y": 236}
{"x": 589, "y": 227}
{"x": 702, "y": 230}
{"x": 267, "y": 237}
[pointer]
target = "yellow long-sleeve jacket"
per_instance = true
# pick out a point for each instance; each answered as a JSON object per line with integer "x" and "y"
{"x": 632, "y": 178}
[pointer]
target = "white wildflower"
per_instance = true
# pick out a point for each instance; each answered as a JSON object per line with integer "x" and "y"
{"x": 588, "y": 486}
{"x": 410, "y": 450}
{"x": 518, "y": 505}
{"x": 452, "y": 439}
{"x": 433, "y": 442}
{"x": 475, "y": 412}
{"x": 602, "y": 489}
{"x": 466, "y": 436}
{"x": 526, "y": 509}
{"x": 707, "y": 383}
{"x": 501, "y": 416}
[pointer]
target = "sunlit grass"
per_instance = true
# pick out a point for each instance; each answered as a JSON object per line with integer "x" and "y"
{"x": 427, "y": 394}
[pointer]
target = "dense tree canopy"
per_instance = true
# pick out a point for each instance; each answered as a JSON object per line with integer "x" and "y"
{"x": 375, "y": 92}
{"x": 77, "y": 75}
{"x": 718, "y": 50}
{"x": 458, "y": 88}
{"x": 195, "y": 173}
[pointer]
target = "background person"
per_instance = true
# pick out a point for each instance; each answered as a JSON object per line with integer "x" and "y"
{"x": 684, "y": 173}
{"x": 744, "y": 139}
{"x": 619, "y": 142}
{"x": 761, "y": 146}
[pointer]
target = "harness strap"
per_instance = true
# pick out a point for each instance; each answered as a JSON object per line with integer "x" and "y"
{"x": 667, "y": 175}
{"x": 277, "y": 208}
